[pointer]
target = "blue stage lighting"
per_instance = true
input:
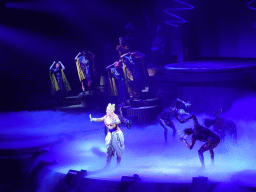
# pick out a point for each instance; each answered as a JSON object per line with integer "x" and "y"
{"x": 180, "y": 20}
{"x": 249, "y": 3}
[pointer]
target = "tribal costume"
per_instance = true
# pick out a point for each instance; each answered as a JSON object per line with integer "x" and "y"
{"x": 165, "y": 118}
{"x": 115, "y": 139}
{"x": 223, "y": 127}
{"x": 59, "y": 83}
{"x": 202, "y": 134}
{"x": 59, "y": 80}
{"x": 117, "y": 84}
{"x": 85, "y": 68}
{"x": 137, "y": 74}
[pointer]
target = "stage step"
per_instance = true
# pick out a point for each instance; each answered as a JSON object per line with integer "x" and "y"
{"x": 145, "y": 115}
{"x": 146, "y": 102}
{"x": 72, "y": 100}
{"x": 73, "y": 108}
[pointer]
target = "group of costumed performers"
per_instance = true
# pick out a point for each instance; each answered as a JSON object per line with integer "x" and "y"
{"x": 59, "y": 83}
{"x": 86, "y": 70}
{"x": 114, "y": 139}
{"x": 128, "y": 77}
{"x": 199, "y": 132}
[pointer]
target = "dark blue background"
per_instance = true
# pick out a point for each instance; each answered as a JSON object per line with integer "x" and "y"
{"x": 35, "y": 33}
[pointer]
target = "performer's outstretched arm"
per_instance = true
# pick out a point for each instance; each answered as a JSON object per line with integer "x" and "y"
{"x": 52, "y": 65}
{"x": 190, "y": 117}
{"x": 179, "y": 119}
{"x": 187, "y": 104}
{"x": 96, "y": 119}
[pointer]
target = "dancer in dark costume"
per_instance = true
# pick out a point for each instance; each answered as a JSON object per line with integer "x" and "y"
{"x": 117, "y": 82}
{"x": 124, "y": 121}
{"x": 85, "y": 69}
{"x": 59, "y": 83}
{"x": 223, "y": 127}
{"x": 137, "y": 78}
{"x": 202, "y": 134}
{"x": 115, "y": 139}
{"x": 165, "y": 118}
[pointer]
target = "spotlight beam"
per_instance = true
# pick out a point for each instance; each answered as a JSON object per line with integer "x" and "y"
{"x": 33, "y": 44}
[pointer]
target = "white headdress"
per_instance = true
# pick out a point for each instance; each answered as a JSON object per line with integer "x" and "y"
{"x": 111, "y": 107}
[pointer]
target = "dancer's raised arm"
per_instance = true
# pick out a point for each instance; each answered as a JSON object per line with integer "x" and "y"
{"x": 77, "y": 55}
{"x": 52, "y": 65}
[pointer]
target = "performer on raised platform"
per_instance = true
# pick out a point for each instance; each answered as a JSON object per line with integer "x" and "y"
{"x": 166, "y": 116}
{"x": 59, "y": 83}
{"x": 86, "y": 69}
{"x": 137, "y": 74}
{"x": 123, "y": 47}
{"x": 115, "y": 138}
{"x": 117, "y": 82}
{"x": 202, "y": 134}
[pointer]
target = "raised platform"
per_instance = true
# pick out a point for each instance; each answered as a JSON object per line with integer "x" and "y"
{"x": 211, "y": 70}
{"x": 208, "y": 85}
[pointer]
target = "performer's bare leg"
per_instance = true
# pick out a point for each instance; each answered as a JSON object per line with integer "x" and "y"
{"x": 201, "y": 157}
{"x": 162, "y": 123}
{"x": 171, "y": 124}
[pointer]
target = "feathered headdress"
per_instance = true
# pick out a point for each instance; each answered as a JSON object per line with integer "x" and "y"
{"x": 111, "y": 107}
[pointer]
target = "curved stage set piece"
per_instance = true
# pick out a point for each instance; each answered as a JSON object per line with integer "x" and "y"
{"x": 208, "y": 85}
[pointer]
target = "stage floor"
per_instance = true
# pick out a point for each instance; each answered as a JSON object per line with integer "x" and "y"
{"x": 75, "y": 143}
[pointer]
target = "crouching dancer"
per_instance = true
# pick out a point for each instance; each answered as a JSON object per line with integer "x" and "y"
{"x": 166, "y": 117}
{"x": 114, "y": 139}
{"x": 202, "y": 134}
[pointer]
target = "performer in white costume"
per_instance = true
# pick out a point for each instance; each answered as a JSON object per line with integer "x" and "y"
{"x": 115, "y": 139}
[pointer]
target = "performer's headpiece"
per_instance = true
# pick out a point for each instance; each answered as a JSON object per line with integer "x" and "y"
{"x": 111, "y": 107}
